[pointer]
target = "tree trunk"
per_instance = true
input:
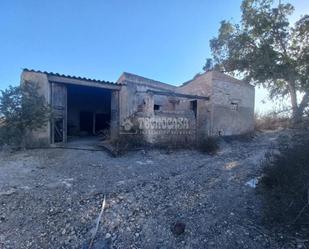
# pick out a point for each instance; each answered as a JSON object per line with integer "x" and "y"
{"x": 304, "y": 103}
{"x": 297, "y": 116}
{"x": 296, "y": 112}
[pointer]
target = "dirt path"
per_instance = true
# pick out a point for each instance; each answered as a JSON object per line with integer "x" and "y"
{"x": 51, "y": 198}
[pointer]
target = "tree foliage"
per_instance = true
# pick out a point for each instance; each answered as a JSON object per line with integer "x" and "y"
{"x": 22, "y": 110}
{"x": 208, "y": 65}
{"x": 266, "y": 49}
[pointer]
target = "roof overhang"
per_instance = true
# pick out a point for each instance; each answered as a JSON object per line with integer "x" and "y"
{"x": 75, "y": 80}
{"x": 82, "y": 82}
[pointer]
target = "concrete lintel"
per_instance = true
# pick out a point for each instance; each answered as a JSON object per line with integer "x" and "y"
{"x": 180, "y": 95}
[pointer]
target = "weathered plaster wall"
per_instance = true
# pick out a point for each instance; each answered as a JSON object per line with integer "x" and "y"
{"x": 127, "y": 101}
{"x": 200, "y": 85}
{"x": 233, "y": 107}
{"x": 133, "y": 98}
{"x": 137, "y": 105}
{"x": 115, "y": 114}
{"x": 175, "y": 136}
{"x": 176, "y": 128}
{"x": 218, "y": 116}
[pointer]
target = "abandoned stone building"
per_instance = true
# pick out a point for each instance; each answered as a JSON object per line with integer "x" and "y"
{"x": 211, "y": 104}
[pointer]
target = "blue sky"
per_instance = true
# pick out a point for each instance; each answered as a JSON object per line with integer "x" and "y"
{"x": 164, "y": 40}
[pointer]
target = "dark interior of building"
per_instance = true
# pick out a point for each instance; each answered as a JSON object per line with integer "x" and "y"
{"x": 89, "y": 110}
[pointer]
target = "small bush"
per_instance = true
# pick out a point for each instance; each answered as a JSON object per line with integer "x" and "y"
{"x": 126, "y": 142}
{"x": 22, "y": 110}
{"x": 245, "y": 138}
{"x": 285, "y": 184}
{"x": 209, "y": 145}
{"x": 270, "y": 122}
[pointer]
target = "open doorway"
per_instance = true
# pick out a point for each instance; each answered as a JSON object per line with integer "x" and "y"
{"x": 86, "y": 122}
{"x": 193, "y": 107}
{"x": 88, "y": 112}
{"x": 102, "y": 122}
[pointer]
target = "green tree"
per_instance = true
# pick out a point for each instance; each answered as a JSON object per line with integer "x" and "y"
{"x": 208, "y": 65}
{"x": 22, "y": 110}
{"x": 264, "y": 48}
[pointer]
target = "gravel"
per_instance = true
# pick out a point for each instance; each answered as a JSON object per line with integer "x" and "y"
{"x": 51, "y": 198}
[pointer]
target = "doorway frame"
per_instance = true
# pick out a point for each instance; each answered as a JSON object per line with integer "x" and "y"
{"x": 64, "y": 82}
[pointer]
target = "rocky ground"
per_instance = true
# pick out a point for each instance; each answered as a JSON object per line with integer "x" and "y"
{"x": 51, "y": 198}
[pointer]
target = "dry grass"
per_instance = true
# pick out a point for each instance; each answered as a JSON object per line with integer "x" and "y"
{"x": 128, "y": 142}
{"x": 270, "y": 122}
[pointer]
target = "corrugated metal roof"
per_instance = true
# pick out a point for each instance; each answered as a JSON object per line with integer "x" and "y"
{"x": 70, "y": 76}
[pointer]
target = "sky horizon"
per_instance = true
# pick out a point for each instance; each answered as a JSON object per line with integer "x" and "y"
{"x": 163, "y": 40}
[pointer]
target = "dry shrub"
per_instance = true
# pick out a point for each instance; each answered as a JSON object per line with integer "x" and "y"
{"x": 209, "y": 145}
{"x": 104, "y": 134}
{"x": 270, "y": 122}
{"x": 245, "y": 138}
{"x": 126, "y": 142}
{"x": 303, "y": 125}
{"x": 285, "y": 184}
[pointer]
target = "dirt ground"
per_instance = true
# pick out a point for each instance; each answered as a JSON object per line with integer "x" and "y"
{"x": 51, "y": 198}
